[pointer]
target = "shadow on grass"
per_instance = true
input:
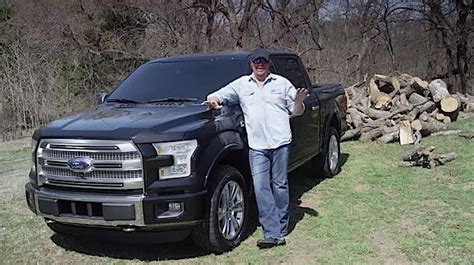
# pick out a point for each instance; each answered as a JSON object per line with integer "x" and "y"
{"x": 301, "y": 180}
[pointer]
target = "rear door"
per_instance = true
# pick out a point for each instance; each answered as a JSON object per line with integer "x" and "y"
{"x": 305, "y": 128}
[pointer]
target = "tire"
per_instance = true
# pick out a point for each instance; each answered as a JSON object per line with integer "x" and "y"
{"x": 214, "y": 233}
{"x": 328, "y": 162}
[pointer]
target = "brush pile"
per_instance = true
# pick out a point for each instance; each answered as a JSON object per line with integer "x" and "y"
{"x": 424, "y": 157}
{"x": 402, "y": 108}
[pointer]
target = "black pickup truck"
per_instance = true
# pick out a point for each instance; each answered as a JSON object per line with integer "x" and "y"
{"x": 151, "y": 162}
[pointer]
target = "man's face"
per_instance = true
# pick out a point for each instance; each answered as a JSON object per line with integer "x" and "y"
{"x": 260, "y": 67}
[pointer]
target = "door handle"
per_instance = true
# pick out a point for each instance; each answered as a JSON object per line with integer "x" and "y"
{"x": 315, "y": 107}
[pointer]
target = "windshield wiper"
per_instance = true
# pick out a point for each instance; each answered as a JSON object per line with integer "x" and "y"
{"x": 123, "y": 100}
{"x": 173, "y": 99}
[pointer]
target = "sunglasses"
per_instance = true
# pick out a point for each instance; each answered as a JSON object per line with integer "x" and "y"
{"x": 260, "y": 61}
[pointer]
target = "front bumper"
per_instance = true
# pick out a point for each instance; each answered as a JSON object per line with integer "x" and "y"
{"x": 116, "y": 211}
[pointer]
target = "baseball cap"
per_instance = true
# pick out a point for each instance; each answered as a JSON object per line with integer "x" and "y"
{"x": 260, "y": 53}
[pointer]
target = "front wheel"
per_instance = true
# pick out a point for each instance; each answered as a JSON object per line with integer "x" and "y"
{"x": 328, "y": 161}
{"x": 225, "y": 219}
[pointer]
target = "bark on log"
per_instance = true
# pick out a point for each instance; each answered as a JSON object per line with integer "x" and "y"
{"x": 371, "y": 135}
{"x": 445, "y": 133}
{"x": 351, "y": 134}
{"x": 356, "y": 117}
{"x": 388, "y": 138}
{"x": 417, "y": 99}
{"x": 438, "y": 90}
{"x": 443, "y": 159}
{"x": 429, "y": 124}
{"x": 429, "y": 106}
{"x": 467, "y": 135}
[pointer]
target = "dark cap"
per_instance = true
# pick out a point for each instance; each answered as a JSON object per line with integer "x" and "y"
{"x": 260, "y": 53}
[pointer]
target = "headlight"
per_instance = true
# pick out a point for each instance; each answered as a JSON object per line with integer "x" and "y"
{"x": 34, "y": 143}
{"x": 182, "y": 152}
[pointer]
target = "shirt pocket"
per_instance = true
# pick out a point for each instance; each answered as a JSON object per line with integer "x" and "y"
{"x": 248, "y": 97}
{"x": 277, "y": 97}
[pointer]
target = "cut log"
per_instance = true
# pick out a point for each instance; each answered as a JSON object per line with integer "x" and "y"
{"x": 388, "y": 138}
{"x": 377, "y": 114}
{"x": 373, "y": 90}
{"x": 438, "y": 90}
{"x": 446, "y": 120}
{"x": 382, "y": 101}
{"x": 445, "y": 133}
{"x": 417, "y": 152}
{"x": 438, "y": 116}
{"x": 371, "y": 135}
{"x": 351, "y": 134}
{"x": 429, "y": 124}
{"x": 467, "y": 135}
{"x": 417, "y": 99}
{"x": 408, "y": 90}
{"x": 469, "y": 107}
{"x": 356, "y": 117}
{"x": 404, "y": 101}
{"x": 443, "y": 159}
{"x": 406, "y": 136}
{"x": 416, "y": 125}
{"x": 423, "y": 84}
{"x": 450, "y": 104}
{"x": 429, "y": 107}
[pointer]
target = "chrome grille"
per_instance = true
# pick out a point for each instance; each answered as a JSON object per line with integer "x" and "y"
{"x": 115, "y": 164}
{"x": 99, "y": 174}
{"x": 104, "y": 156}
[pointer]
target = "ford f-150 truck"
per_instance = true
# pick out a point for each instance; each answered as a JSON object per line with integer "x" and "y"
{"x": 151, "y": 162}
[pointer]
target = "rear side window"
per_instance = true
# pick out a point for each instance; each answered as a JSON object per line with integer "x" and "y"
{"x": 290, "y": 68}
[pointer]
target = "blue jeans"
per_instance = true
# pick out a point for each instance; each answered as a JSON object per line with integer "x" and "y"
{"x": 270, "y": 179}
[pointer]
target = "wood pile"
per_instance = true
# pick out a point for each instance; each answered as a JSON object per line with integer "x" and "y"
{"x": 402, "y": 108}
{"x": 424, "y": 157}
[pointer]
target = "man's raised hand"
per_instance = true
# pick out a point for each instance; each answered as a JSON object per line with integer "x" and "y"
{"x": 301, "y": 94}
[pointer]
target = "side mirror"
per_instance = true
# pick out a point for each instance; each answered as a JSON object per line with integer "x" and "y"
{"x": 101, "y": 97}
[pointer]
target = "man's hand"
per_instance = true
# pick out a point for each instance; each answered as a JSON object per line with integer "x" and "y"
{"x": 301, "y": 94}
{"x": 213, "y": 103}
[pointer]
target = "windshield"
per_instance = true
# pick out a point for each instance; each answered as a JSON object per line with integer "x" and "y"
{"x": 175, "y": 80}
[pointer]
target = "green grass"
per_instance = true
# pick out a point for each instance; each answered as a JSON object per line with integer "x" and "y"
{"x": 372, "y": 212}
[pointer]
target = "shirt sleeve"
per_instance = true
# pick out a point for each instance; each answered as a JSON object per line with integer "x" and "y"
{"x": 227, "y": 94}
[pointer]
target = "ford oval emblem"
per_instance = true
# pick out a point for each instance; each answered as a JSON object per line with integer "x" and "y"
{"x": 80, "y": 164}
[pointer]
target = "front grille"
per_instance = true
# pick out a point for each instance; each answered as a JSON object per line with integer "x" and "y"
{"x": 103, "y": 156}
{"x": 98, "y": 174}
{"x": 111, "y": 164}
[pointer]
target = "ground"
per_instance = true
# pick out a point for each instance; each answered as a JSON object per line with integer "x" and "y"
{"x": 372, "y": 212}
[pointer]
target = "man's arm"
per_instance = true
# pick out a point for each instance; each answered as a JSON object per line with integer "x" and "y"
{"x": 225, "y": 95}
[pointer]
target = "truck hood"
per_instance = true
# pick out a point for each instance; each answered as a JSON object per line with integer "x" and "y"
{"x": 129, "y": 121}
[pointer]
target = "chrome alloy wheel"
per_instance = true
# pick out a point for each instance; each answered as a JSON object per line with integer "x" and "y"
{"x": 230, "y": 212}
{"x": 333, "y": 153}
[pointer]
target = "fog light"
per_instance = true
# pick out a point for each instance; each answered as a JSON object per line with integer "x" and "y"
{"x": 175, "y": 206}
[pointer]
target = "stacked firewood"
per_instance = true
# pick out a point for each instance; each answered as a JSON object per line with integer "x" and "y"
{"x": 402, "y": 108}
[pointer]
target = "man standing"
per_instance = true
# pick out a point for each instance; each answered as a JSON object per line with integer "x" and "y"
{"x": 267, "y": 101}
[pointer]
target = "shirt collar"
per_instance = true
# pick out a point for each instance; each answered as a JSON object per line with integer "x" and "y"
{"x": 269, "y": 77}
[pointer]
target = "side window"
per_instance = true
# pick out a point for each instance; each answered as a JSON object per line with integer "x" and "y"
{"x": 290, "y": 68}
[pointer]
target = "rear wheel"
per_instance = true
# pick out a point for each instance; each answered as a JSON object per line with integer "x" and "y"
{"x": 225, "y": 219}
{"x": 327, "y": 162}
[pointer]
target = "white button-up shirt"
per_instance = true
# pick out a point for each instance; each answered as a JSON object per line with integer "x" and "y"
{"x": 266, "y": 109}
